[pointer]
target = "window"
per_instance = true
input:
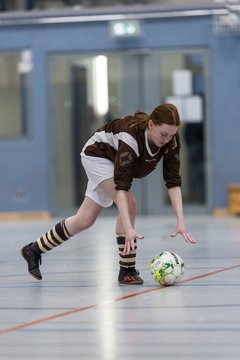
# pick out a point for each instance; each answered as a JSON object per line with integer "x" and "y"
{"x": 15, "y": 74}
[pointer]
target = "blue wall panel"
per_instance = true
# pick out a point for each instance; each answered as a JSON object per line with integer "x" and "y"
{"x": 226, "y": 115}
{"x": 25, "y": 163}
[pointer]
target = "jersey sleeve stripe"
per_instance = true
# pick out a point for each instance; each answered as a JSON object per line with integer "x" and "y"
{"x": 113, "y": 140}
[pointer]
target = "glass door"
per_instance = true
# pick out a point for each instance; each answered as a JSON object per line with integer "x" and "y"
{"x": 86, "y": 91}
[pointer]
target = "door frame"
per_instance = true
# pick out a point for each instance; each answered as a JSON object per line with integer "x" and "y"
{"x": 144, "y": 99}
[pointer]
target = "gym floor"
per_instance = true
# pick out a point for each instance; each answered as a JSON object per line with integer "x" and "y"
{"x": 78, "y": 311}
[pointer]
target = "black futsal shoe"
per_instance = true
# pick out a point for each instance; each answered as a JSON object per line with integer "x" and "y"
{"x": 33, "y": 260}
{"x": 129, "y": 276}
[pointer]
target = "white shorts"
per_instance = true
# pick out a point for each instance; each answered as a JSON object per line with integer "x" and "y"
{"x": 97, "y": 170}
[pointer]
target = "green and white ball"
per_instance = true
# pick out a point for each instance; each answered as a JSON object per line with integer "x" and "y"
{"x": 167, "y": 268}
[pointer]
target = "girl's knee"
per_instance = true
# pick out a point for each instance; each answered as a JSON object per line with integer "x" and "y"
{"x": 84, "y": 222}
{"x": 80, "y": 222}
{"x": 88, "y": 221}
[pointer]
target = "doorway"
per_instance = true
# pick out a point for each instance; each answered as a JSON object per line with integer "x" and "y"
{"x": 86, "y": 91}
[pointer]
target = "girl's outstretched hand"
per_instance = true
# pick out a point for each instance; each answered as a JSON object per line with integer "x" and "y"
{"x": 130, "y": 239}
{"x": 182, "y": 231}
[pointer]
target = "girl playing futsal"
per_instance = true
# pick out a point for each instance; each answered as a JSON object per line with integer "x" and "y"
{"x": 124, "y": 149}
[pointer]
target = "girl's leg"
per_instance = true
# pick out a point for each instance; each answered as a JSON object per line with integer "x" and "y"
{"x": 84, "y": 218}
{"x": 61, "y": 232}
{"x": 127, "y": 274}
{"x": 108, "y": 187}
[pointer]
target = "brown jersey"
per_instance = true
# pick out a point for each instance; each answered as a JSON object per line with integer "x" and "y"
{"x": 133, "y": 155}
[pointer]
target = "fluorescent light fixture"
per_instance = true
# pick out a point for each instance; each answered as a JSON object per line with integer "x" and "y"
{"x": 101, "y": 84}
{"x": 25, "y": 65}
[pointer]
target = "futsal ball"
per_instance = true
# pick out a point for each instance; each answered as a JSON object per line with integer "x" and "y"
{"x": 167, "y": 268}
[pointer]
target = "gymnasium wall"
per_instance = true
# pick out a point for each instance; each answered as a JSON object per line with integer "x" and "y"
{"x": 25, "y": 162}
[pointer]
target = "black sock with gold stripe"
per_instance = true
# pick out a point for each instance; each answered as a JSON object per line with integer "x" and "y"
{"x": 129, "y": 260}
{"x": 53, "y": 238}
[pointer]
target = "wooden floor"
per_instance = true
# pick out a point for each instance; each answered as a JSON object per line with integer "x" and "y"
{"x": 78, "y": 311}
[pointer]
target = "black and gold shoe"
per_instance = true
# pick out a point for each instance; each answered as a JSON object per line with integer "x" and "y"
{"x": 33, "y": 260}
{"x": 129, "y": 276}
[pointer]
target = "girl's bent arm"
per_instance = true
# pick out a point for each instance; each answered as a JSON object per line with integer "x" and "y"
{"x": 130, "y": 233}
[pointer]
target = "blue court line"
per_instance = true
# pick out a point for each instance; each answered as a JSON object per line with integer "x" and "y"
{"x": 37, "y": 285}
{"x": 177, "y": 306}
{"x": 137, "y": 329}
{"x": 130, "y": 307}
{"x": 45, "y": 286}
{"x": 143, "y": 269}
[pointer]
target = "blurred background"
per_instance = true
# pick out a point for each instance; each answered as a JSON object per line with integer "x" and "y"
{"x": 57, "y": 4}
{"x": 68, "y": 67}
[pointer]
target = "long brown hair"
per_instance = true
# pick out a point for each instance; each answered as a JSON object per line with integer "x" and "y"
{"x": 162, "y": 114}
